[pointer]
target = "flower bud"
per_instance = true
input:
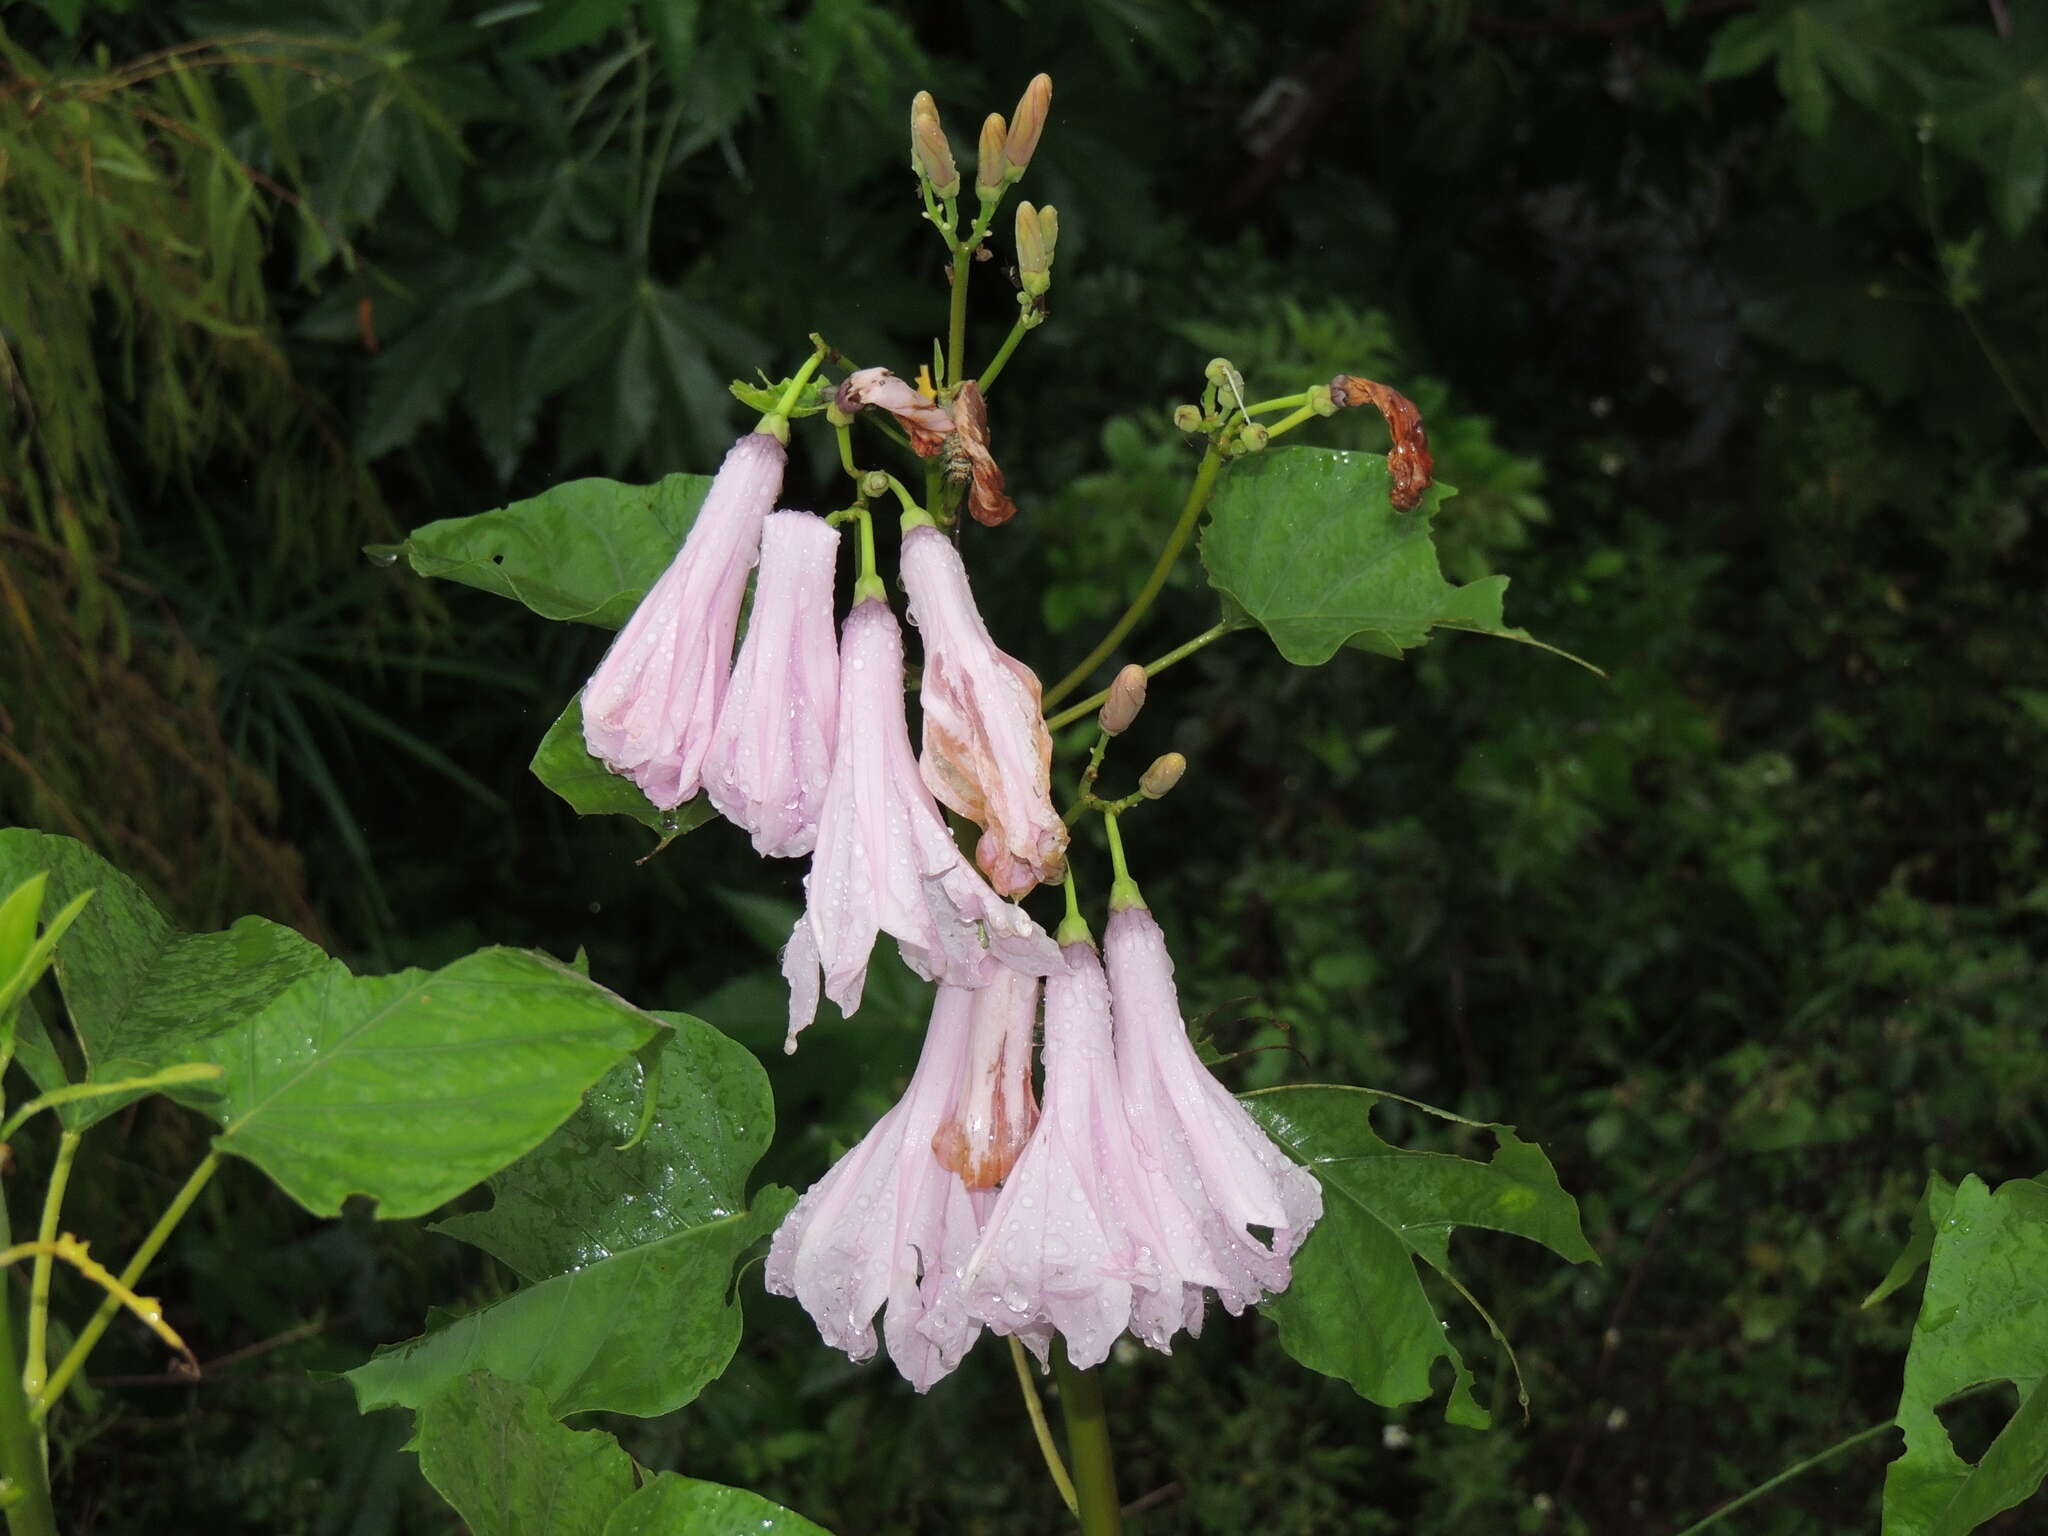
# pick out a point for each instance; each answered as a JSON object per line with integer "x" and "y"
{"x": 1027, "y": 125}
{"x": 1049, "y": 230}
{"x": 1159, "y": 779}
{"x": 874, "y": 483}
{"x": 1321, "y": 401}
{"x": 1187, "y": 418}
{"x": 991, "y": 168}
{"x": 929, "y": 151}
{"x": 1126, "y": 698}
{"x": 1034, "y": 266}
{"x": 1223, "y": 375}
{"x": 1252, "y": 438}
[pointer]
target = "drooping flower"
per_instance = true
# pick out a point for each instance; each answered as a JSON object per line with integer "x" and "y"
{"x": 958, "y": 434}
{"x": 987, "y": 753}
{"x": 889, "y": 1226}
{"x": 884, "y": 861}
{"x": 928, "y": 422}
{"x": 1085, "y": 1239}
{"x": 650, "y": 707}
{"x": 996, "y": 1111}
{"x": 1224, "y": 1169}
{"x": 771, "y": 753}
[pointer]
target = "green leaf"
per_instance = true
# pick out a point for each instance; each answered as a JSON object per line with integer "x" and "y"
{"x": 810, "y": 400}
{"x": 1356, "y": 1308}
{"x": 141, "y": 994}
{"x": 1304, "y": 543}
{"x": 672, "y": 1505}
{"x": 410, "y": 1088}
{"x": 494, "y": 1451}
{"x": 579, "y": 1198}
{"x": 641, "y": 1332}
{"x": 629, "y": 1253}
{"x": 565, "y": 765}
{"x": 1928, "y": 1215}
{"x": 1980, "y": 1321}
{"x": 1996, "y": 113}
{"x": 585, "y": 550}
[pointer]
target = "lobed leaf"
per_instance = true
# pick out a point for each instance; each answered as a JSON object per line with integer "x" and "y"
{"x": 410, "y": 1088}
{"x": 628, "y": 1251}
{"x": 641, "y": 1332}
{"x": 584, "y": 1195}
{"x": 493, "y": 1450}
{"x": 141, "y": 994}
{"x": 1306, "y": 544}
{"x": 1356, "y": 1308}
{"x": 1987, "y": 1288}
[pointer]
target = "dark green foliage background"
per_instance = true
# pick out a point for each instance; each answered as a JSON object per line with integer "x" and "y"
{"x": 1732, "y": 330}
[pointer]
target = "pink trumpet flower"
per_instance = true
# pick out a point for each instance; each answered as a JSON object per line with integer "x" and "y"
{"x": 1223, "y": 1168}
{"x": 884, "y": 861}
{"x": 987, "y": 753}
{"x": 890, "y": 1227}
{"x": 650, "y": 707}
{"x": 771, "y": 753}
{"x": 1085, "y": 1239}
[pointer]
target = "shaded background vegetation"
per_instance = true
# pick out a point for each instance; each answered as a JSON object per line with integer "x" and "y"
{"x": 1731, "y": 326}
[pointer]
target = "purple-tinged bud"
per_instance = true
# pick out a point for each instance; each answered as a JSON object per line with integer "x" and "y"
{"x": 929, "y": 150}
{"x": 1126, "y": 698}
{"x": 991, "y": 168}
{"x": 1156, "y": 782}
{"x": 1027, "y": 124}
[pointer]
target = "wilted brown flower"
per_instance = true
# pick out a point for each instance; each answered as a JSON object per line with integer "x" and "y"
{"x": 1408, "y": 461}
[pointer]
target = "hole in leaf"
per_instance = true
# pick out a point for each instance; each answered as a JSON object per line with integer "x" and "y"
{"x": 1974, "y": 1422}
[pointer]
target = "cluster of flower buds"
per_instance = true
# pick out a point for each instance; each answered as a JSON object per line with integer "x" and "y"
{"x": 1002, "y": 151}
{"x": 1117, "y": 1207}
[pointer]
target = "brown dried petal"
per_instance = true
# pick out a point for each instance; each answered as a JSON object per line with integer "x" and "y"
{"x": 1408, "y": 461}
{"x": 986, "y": 501}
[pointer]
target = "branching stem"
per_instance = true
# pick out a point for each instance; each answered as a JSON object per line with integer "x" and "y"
{"x": 1190, "y": 513}
{"x": 89, "y": 1335}
{"x": 1180, "y": 652}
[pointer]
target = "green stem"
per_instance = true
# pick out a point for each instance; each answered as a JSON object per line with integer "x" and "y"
{"x": 1034, "y": 1407}
{"x": 956, "y": 322}
{"x": 1198, "y": 498}
{"x": 89, "y": 1335}
{"x": 796, "y": 385}
{"x": 21, "y": 1448}
{"x": 995, "y": 364}
{"x": 869, "y": 584}
{"x": 1796, "y": 1470}
{"x": 1088, "y": 1445}
{"x": 35, "y": 1365}
{"x": 1290, "y": 421}
{"x": 1278, "y": 403}
{"x": 1123, "y": 890}
{"x": 1180, "y": 652}
{"x": 845, "y": 435}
